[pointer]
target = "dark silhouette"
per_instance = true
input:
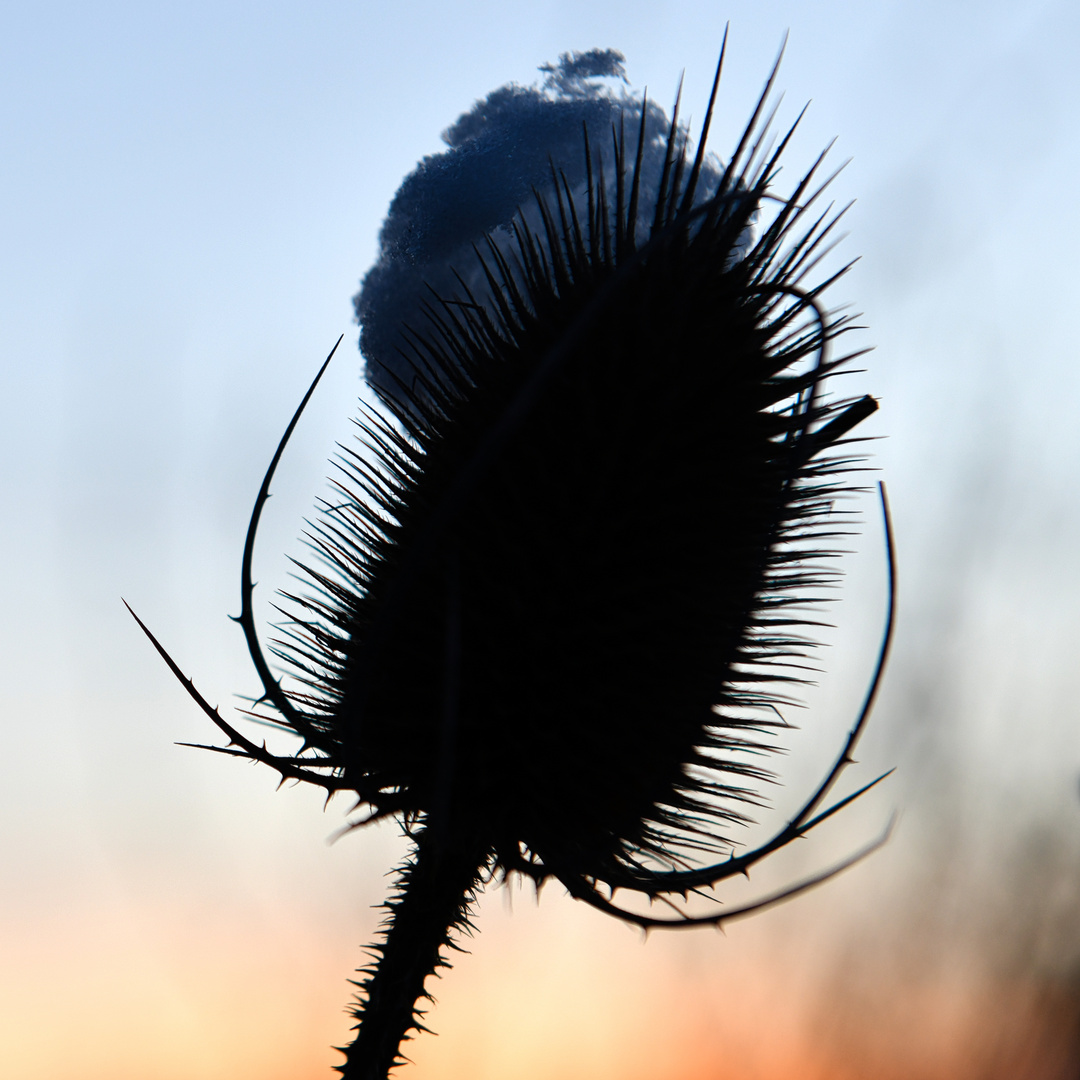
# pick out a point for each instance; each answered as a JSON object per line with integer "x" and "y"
{"x": 557, "y": 614}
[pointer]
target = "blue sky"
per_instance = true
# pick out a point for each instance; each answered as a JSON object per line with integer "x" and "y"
{"x": 188, "y": 199}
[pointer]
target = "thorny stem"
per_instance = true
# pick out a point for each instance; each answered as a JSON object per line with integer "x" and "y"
{"x": 434, "y": 892}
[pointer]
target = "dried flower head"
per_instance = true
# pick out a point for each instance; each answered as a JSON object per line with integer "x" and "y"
{"x": 556, "y": 611}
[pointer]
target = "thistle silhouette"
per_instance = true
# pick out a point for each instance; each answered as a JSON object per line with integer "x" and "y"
{"x": 557, "y": 608}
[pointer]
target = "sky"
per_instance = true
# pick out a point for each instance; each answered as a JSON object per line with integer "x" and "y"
{"x": 189, "y": 197}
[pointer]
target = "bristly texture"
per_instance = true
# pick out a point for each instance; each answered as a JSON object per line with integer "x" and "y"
{"x": 558, "y": 609}
{"x": 497, "y": 154}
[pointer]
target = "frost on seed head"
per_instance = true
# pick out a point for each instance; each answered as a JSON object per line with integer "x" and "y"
{"x": 501, "y": 153}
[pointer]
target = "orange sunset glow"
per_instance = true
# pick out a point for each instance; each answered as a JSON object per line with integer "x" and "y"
{"x": 191, "y": 195}
{"x": 551, "y": 989}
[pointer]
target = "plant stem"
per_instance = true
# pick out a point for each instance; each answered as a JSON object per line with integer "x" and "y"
{"x": 433, "y": 894}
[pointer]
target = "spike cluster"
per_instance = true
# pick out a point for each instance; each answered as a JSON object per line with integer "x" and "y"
{"x": 557, "y": 606}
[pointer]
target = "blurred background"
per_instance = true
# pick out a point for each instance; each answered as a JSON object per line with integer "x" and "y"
{"x": 189, "y": 196}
